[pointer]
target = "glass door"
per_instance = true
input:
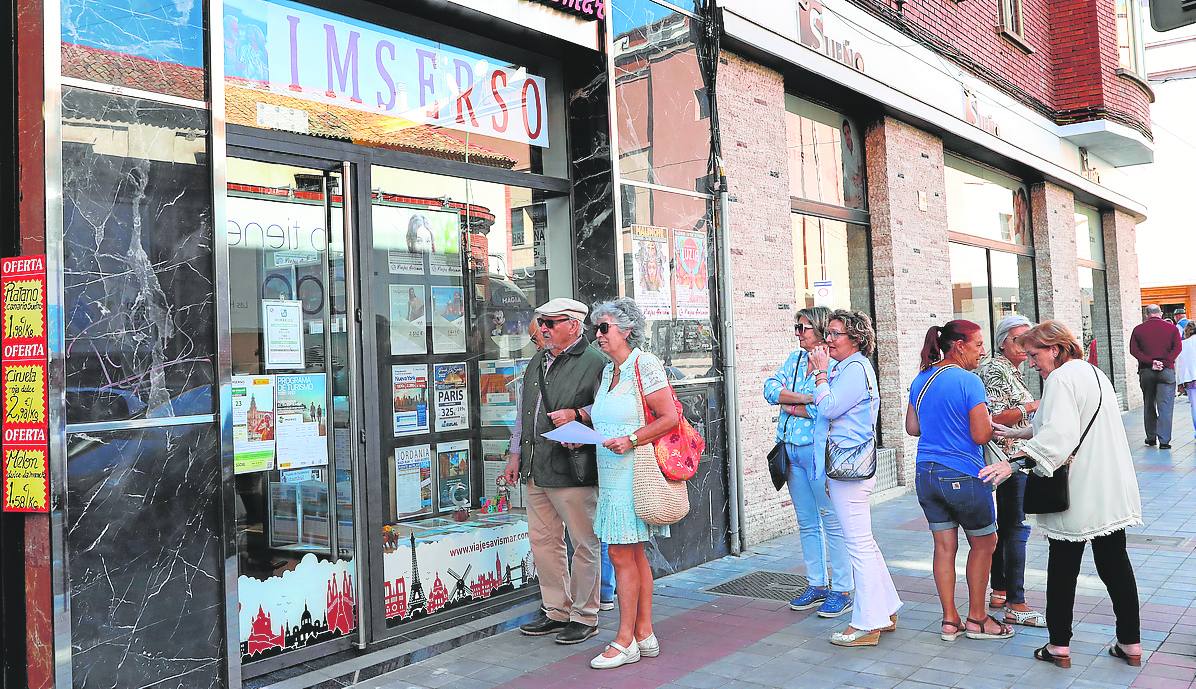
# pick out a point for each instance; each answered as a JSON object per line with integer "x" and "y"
{"x": 292, "y": 393}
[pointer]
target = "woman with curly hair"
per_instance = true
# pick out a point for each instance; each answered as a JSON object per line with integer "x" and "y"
{"x": 847, "y": 404}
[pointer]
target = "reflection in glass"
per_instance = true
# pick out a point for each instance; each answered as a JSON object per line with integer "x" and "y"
{"x": 826, "y": 155}
{"x": 1090, "y": 240}
{"x": 983, "y": 203}
{"x": 830, "y": 264}
{"x": 970, "y": 288}
{"x": 1013, "y": 289}
{"x": 1094, "y": 315}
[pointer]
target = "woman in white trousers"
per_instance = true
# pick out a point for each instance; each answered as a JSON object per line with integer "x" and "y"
{"x": 847, "y": 407}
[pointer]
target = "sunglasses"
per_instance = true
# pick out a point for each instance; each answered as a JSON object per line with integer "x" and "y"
{"x": 799, "y": 328}
{"x": 550, "y": 323}
{"x": 603, "y": 328}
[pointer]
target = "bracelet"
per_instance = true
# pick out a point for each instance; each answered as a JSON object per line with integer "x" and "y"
{"x": 1025, "y": 415}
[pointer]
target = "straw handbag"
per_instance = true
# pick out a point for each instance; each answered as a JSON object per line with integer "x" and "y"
{"x": 658, "y": 501}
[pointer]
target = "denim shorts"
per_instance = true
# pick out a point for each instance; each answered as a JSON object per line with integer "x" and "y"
{"x": 951, "y": 499}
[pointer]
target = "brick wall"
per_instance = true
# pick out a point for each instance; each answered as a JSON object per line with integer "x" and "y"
{"x": 911, "y": 265}
{"x": 1054, "y": 224}
{"x": 751, "y": 111}
{"x": 1125, "y": 299}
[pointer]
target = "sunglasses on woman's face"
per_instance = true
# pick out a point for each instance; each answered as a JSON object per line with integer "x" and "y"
{"x": 549, "y": 323}
{"x": 799, "y": 328}
{"x": 603, "y": 328}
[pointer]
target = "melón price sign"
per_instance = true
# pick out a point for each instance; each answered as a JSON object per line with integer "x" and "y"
{"x": 24, "y": 412}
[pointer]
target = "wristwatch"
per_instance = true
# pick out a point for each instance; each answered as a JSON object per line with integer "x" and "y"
{"x": 635, "y": 439}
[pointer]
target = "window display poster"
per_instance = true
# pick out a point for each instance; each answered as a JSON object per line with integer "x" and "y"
{"x": 408, "y": 319}
{"x": 452, "y": 400}
{"x": 282, "y": 326}
{"x": 410, "y": 391}
{"x": 691, "y": 274}
{"x": 301, "y": 423}
{"x": 413, "y": 481}
{"x": 452, "y": 474}
{"x": 494, "y": 463}
{"x": 448, "y": 320}
{"x": 650, "y": 258}
{"x": 498, "y": 392}
{"x": 415, "y": 233}
{"x": 253, "y": 423}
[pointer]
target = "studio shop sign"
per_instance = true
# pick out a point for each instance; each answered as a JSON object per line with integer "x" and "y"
{"x": 589, "y": 9}
{"x": 812, "y": 33}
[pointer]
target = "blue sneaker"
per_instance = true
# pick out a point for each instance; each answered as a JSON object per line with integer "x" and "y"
{"x": 812, "y": 597}
{"x": 835, "y": 604}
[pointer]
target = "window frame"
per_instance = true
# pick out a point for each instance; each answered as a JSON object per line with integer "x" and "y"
{"x": 1133, "y": 20}
{"x": 1013, "y": 24}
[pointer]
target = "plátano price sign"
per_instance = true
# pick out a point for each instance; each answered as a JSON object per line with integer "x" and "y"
{"x": 24, "y": 412}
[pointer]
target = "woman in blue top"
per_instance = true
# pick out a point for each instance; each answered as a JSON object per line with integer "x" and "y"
{"x": 948, "y": 413}
{"x": 845, "y": 411}
{"x": 792, "y": 387}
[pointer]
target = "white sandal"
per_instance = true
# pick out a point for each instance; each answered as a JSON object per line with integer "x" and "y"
{"x": 860, "y": 637}
{"x": 631, "y": 654}
{"x": 1026, "y": 618}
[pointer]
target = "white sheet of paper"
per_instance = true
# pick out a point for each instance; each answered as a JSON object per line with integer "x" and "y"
{"x": 574, "y": 432}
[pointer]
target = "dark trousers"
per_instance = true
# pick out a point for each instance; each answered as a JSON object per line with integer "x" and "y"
{"x": 1009, "y": 559}
{"x": 1158, "y": 399}
{"x": 1113, "y": 566}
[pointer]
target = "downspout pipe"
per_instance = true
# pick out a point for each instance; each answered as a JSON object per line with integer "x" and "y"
{"x": 726, "y": 290}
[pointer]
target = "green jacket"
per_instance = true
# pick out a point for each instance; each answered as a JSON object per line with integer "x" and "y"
{"x": 572, "y": 382}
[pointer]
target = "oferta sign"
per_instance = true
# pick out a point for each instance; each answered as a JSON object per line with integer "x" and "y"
{"x": 587, "y": 9}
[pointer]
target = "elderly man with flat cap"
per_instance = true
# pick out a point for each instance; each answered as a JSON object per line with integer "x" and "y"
{"x": 560, "y": 382}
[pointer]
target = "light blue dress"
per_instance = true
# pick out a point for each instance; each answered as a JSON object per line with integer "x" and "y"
{"x": 616, "y": 413}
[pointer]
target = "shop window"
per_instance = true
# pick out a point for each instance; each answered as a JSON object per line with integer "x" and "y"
{"x": 1011, "y": 18}
{"x": 1129, "y": 36}
{"x": 383, "y": 88}
{"x": 1090, "y": 239}
{"x": 826, "y": 155}
{"x": 830, "y": 264}
{"x": 986, "y": 204}
{"x": 662, "y": 111}
{"x": 1094, "y": 295}
{"x": 988, "y": 285}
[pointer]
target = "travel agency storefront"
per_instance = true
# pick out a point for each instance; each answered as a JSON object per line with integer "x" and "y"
{"x": 869, "y": 171}
{"x": 291, "y": 256}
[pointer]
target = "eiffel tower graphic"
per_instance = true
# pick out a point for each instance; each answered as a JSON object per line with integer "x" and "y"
{"x": 417, "y": 603}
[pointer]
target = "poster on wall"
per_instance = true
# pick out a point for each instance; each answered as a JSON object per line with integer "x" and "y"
{"x": 409, "y": 387}
{"x": 691, "y": 274}
{"x": 508, "y": 314}
{"x": 253, "y": 423}
{"x": 316, "y": 599}
{"x": 413, "y": 481}
{"x": 418, "y": 235}
{"x": 448, "y": 320}
{"x": 301, "y": 420}
{"x": 452, "y": 475}
{"x": 650, "y": 261}
{"x": 452, "y": 397}
{"x": 498, "y": 391}
{"x": 408, "y": 319}
{"x": 282, "y": 326}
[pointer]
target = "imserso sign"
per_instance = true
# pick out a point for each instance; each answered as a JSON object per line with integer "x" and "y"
{"x": 306, "y": 53}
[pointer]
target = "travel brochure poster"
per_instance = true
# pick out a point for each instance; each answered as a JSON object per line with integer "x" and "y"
{"x": 410, "y": 392}
{"x": 413, "y": 481}
{"x": 452, "y": 475}
{"x": 408, "y": 319}
{"x": 500, "y": 383}
{"x": 452, "y": 399}
{"x": 301, "y": 424}
{"x": 448, "y": 320}
{"x": 282, "y": 325}
{"x": 416, "y": 234}
{"x": 691, "y": 274}
{"x": 494, "y": 463}
{"x": 650, "y": 261}
{"x": 253, "y": 423}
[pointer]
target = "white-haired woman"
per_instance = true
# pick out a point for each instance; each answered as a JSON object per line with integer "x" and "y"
{"x": 1011, "y": 404}
{"x": 631, "y": 375}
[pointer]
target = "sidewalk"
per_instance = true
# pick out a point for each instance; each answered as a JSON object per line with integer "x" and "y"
{"x": 711, "y": 641}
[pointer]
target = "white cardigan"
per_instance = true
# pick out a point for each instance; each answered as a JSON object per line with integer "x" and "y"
{"x": 1102, "y": 484}
{"x": 1185, "y": 365}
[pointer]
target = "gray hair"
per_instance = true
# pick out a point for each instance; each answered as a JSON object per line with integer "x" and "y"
{"x": 819, "y": 317}
{"x": 626, "y": 315}
{"x": 1006, "y": 326}
{"x": 1154, "y": 310}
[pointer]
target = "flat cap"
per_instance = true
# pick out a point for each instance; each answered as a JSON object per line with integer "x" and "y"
{"x": 563, "y": 306}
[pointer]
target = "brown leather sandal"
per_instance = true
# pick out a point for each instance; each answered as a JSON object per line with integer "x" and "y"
{"x": 1059, "y": 661}
{"x": 951, "y": 636}
{"x": 1118, "y": 652}
{"x": 1005, "y": 633}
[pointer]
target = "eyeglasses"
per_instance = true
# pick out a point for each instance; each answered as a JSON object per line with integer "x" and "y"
{"x": 799, "y": 328}
{"x": 550, "y": 323}
{"x": 833, "y": 335}
{"x": 603, "y": 328}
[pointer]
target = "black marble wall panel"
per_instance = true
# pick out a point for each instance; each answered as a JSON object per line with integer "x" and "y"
{"x": 138, "y": 258}
{"x": 143, "y": 540}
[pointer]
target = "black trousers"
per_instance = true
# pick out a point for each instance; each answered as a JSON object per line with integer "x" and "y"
{"x": 1113, "y": 566}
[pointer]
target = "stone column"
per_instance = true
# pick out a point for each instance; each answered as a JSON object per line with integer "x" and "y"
{"x": 1125, "y": 299}
{"x": 1053, "y": 215}
{"x": 910, "y": 262}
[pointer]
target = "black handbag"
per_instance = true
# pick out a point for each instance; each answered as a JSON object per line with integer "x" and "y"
{"x": 778, "y": 459}
{"x": 1050, "y": 494}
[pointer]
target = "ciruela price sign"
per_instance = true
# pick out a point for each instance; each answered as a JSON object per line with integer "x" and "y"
{"x": 23, "y": 391}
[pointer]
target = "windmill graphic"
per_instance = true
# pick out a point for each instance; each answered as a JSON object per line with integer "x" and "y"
{"x": 461, "y": 590}
{"x": 417, "y": 603}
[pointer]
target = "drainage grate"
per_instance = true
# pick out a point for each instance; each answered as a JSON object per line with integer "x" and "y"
{"x": 763, "y": 584}
{"x": 1147, "y": 539}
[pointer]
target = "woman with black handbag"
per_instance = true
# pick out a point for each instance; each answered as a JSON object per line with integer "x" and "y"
{"x": 1082, "y": 487}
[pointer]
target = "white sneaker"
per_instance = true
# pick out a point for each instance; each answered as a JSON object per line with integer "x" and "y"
{"x": 649, "y": 647}
{"x": 606, "y": 605}
{"x": 626, "y": 655}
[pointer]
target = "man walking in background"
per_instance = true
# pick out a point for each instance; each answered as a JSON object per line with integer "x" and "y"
{"x": 1155, "y": 343}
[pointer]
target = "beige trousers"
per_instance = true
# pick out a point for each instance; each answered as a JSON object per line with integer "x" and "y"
{"x": 570, "y": 594}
